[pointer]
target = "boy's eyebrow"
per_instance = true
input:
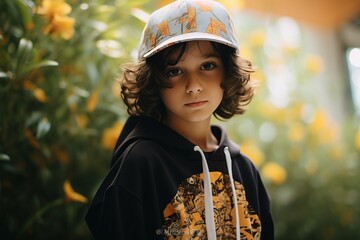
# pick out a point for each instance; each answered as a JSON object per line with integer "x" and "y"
{"x": 169, "y": 62}
{"x": 210, "y": 55}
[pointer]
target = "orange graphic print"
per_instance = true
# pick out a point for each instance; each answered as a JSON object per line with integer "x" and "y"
{"x": 190, "y": 19}
{"x": 152, "y": 40}
{"x": 184, "y": 217}
{"x": 215, "y": 26}
{"x": 204, "y": 7}
{"x": 150, "y": 36}
{"x": 164, "y": 28}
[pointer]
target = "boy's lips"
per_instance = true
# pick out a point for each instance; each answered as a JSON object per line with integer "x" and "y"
{"x": 196, "y": 103}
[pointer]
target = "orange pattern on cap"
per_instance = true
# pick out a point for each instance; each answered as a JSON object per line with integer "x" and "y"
{"x": 204, "y": 7}
{"x": 214, "y": 27}
{"x": 191, "y": 27}
{"x": 190, "y": 18}
{"x": 152, "y": 40}
{"x": 164, "y": 28}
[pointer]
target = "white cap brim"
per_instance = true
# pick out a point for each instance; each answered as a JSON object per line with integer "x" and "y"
{"x": 192, "y": 36}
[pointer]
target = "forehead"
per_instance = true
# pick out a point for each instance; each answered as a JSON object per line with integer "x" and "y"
{"x": 199, "y": 48}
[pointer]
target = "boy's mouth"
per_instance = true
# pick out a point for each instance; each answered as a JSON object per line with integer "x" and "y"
{"x": 196, "y": 103}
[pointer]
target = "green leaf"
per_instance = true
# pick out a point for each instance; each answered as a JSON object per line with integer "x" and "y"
{"x": 24, "y": 53}
{"x": 33, "y": 118}
{"x": 4, "y": 157}
{"x": 81, "y": 92}
{"x": 24, "y": 48}
{"x": 43, "y": 127}
{"x": 3, "y": 75}
{"x": 44, "y": 63}
{"x": 25, "y": 13}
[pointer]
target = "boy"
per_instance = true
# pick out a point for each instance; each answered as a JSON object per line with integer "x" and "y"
{"x": 173, "y": 175}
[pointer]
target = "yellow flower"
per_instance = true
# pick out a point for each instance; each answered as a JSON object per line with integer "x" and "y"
{"x": 323, "y": 129}
{"x": 246, "y": 52}
{"x": 296, "y": 132}
{"x": 357, "y": 139}
{"x": 257, "y": 38}
{"x": 233, "y": 5}
{"x": 81, "y": 120}
{"x": 110, "y": 135}
{"x": 50, "y": 8}
{"x": 313, "y": 64}
{"x": 71, "y": 195}
{"x": 59, "y": 24}
{"x": 274, "y": 172}
{"x": 92, "y": 101}
{"x": 40, "y": 95}
{"x": 251, "y": 150}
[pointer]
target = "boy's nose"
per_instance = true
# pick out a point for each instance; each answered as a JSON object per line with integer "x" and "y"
{"x": 193, "y": 86}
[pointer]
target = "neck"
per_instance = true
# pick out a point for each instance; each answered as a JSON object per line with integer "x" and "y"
{"x": 198, "y": 133}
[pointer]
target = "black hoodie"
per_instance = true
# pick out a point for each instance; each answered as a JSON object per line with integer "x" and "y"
{"x": 155, "y": 189}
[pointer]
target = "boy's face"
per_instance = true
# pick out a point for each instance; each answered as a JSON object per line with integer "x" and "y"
{"x": 195, "y": 78}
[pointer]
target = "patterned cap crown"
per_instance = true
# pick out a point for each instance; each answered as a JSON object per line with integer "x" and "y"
{"x": 187, "y": 20}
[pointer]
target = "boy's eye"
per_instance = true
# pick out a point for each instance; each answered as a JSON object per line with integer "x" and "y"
{"x": 174, "y": 72}
{"x": 208, "y": 66}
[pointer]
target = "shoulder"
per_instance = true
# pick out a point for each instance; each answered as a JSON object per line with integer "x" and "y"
{"x": 140, "y": 162}
{"x": 142, "y": 154}
{"x": 145, "y": 149}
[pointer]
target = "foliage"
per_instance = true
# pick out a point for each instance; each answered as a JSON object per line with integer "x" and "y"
{"x": 59, "y": 61}
{"x": 308, "y": 160}
{"x": 60, "y": 115}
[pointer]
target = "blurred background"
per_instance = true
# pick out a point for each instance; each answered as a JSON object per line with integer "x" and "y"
{"x": 60, "y": 111}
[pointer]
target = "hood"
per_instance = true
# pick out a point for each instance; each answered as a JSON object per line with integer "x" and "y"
{"x": 142, "y": 127}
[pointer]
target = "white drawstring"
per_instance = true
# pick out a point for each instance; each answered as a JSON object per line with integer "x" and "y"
{"x": 229, "y": 167}
{"x": 209, "y": 208}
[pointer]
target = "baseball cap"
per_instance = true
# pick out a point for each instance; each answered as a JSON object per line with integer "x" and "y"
{"x": 187, "y": 20}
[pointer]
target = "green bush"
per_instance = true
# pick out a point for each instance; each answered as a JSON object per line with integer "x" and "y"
{"x": 58, "y": 97}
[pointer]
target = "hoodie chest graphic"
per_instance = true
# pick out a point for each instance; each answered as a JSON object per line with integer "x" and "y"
{"x": 184, "y": 216}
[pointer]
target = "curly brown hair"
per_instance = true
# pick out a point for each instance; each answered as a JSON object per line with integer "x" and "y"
{"x": 142, "y": 81}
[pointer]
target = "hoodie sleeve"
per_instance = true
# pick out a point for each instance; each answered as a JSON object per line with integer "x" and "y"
{"x": 124, "y": 206}
{"x": 115, "y": 212}
{"x": 118, "y": 216}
